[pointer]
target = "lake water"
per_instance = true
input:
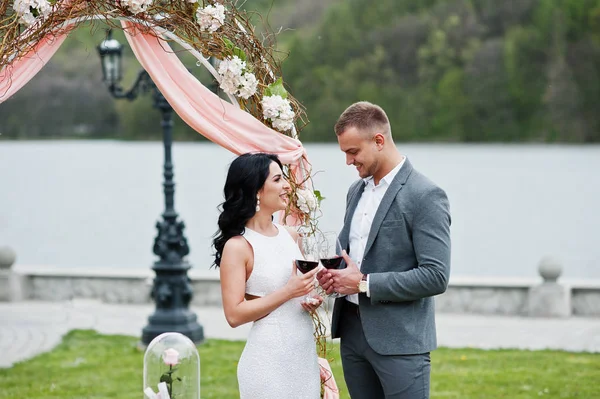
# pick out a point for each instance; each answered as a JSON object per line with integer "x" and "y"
{"x": 95, "y": 203}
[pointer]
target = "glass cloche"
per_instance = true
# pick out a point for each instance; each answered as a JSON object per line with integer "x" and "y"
{"x": 171, "y": 368}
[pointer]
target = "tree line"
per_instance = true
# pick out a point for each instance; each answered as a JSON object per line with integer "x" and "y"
{"x": 444, "y": 70}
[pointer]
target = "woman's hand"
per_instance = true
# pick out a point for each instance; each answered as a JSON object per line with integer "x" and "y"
{"x": 303, "y": 284}
{"x": 312, "y": 303}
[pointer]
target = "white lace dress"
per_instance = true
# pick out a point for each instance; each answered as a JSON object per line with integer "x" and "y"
{"x": 280, "y": 357}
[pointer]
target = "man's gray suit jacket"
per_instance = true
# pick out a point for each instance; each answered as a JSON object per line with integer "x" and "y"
{"x": 407, "y": 257}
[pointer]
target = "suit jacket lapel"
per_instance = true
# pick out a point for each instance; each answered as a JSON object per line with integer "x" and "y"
{"x": 387, "y": 201}
{"x": 354, "y": 197}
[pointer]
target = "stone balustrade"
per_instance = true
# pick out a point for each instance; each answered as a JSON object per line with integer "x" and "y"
{"x": 538, "y": 297}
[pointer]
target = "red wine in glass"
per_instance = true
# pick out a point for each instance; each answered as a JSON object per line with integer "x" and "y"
{"x": 330, "y": 252}
{"x": 306, "y": 265}
{"x": 309, "y": 250}
{"x": 331, "y": 263}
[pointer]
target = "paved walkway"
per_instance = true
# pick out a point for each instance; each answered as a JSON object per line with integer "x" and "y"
{"x": 29, "y": 328}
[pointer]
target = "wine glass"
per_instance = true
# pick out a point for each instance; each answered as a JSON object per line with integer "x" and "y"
{"x": 330, "y": 253}
{"x": 309, "y": 247}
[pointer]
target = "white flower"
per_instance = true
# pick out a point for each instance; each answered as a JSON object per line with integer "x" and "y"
{"x": 231, "y": 70}
{"x": 192, "y": 1}
{"x": 283, "y": 125}
{"x": 25, "y": 9}
{"x": 279, "y": 111}
{"x": 236, "y": 79}
{"x": 272, "y": 106}
{"x": 28, "y": 19}
{"x": 21, "y": 6}
{"x": 232, "y": 67}
{"x": 306, "y": 200}
{"x": 249, "y": 84}
{"x": 211, "y": 18}
{"x": 136, "y": 6}
{"x": 228, "y": 86}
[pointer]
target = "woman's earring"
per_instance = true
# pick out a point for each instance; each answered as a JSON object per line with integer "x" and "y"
{"x": 257, "y": 203}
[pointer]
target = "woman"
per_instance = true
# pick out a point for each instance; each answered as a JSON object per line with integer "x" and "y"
{"x": 260, "y": 283}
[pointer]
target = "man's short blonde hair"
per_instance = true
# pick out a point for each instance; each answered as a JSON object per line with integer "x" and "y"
{"x": 367, "y": 117}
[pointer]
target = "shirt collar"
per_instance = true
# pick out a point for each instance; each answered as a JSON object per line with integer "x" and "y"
{"x": 387, "y": 179}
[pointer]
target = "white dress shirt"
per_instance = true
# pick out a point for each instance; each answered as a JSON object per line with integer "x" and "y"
{"x": 363, "y": 218}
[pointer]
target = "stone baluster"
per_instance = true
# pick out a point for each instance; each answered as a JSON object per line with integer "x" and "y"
{"x": 550, "y": 298}
{"x": 7, "y": 259}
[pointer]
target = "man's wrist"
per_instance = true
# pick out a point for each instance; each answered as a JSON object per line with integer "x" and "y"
{"x": 363, "y": 285}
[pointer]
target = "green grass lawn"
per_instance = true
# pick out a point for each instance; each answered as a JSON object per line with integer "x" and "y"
{"x": 89, "y": 365}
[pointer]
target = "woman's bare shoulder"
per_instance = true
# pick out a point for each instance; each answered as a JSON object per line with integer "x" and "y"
{"x": 237, "y": 247}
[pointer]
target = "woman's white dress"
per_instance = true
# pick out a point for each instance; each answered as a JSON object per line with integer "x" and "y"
{"x": 280, "y": 357}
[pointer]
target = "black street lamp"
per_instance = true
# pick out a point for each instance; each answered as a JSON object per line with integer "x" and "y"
{"x": 171, "y": 289}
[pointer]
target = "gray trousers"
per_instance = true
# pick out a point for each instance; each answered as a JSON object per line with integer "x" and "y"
{"x": 370, "y": 375}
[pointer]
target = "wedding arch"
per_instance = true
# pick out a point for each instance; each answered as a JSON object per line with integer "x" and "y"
{"x": 260, "y": 115}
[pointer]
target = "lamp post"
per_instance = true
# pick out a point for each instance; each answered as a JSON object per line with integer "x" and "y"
{"x": 171, "y": 289}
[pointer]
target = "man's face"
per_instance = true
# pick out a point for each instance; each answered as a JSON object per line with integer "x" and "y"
{"x": 361, "y": 151}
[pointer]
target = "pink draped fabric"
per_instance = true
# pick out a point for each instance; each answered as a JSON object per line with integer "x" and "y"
{"x": 218, "y": 120}
{"x": 16, "y": 75}
{"x": 331, "y": 390}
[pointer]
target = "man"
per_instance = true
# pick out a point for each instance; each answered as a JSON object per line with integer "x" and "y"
{"x": 397, "y": 234}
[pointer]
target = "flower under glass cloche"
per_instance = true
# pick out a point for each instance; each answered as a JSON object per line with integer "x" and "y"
{"x": 171, "y": 368}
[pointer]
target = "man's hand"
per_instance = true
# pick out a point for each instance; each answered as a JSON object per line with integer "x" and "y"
{"x": 343, "y": 281}
{"x": 325, "y": 280}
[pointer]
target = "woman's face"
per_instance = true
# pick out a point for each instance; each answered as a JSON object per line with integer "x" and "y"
{"x": 274, "y": 194}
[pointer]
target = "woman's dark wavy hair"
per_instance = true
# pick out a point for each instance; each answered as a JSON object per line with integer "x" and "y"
{"x": 246, "y": 176}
